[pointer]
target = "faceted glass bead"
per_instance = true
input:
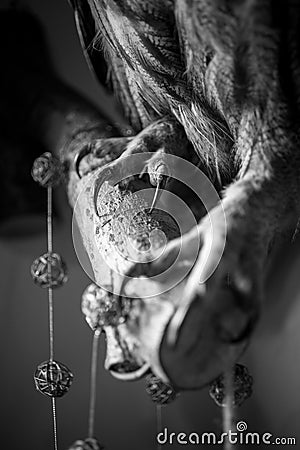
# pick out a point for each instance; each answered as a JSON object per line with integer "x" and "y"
{"x": 49, "y": 270}
{"x": 160, "y": 392}
{"x": 47, "y": 170}
{"x": 242, "y": 387}
{"x": 102, "y": 308}
{"x": 53, "y": 378}
{"x": 87, "y": 444}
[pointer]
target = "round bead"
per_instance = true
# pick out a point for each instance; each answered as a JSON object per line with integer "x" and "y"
{"x": 49, "y": 270}
{"x": 160, "y": 392}
{"x": 47, "y": 170}
{"x": 102, "y": 308}
{"x": 53, "y": 378}
{"x": 242, "y": 387}
{"x": 87, "y": 444}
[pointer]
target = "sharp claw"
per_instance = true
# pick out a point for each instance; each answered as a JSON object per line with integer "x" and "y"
{"x": 160, "y": 186}
{"x": 143, "y": 171}
{"x": 80, "y": 155}
{"x": 155, "y": 198}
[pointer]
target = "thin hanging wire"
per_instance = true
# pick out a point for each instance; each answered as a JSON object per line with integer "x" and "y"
{"x": 54, "y": 422}
{"x": 49, "y": 219}
{"x": 50, "y": 304}
{"x": 93, "y": 384}
{"x": 50, "y": 291}
{"x": 158, "y": 424}
{"x": 51, "y": 328}
{"x": 228, "y": 409}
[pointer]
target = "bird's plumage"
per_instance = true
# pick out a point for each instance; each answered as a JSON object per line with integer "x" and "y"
{"x": 209, "y": 63}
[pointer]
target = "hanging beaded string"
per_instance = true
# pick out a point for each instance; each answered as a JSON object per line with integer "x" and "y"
{"x": 93, "y": 383}
{"x": 90, "y": 443}
{"x": 50, "y": 302}
{"x": 161, "y": 394}
{"x": 229, "y": 391}
{"x": 100, "y": 309}
{"x": 228, "y": 408}
{"x": 49, "y": 271}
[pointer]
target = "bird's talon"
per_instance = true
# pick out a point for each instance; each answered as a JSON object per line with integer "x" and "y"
{"x": 84, "y": 151}
{"x": 155, "y": 198}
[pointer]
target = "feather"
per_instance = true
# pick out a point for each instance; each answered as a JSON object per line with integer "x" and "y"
{"x": 85, "y": 24}
{"x": 146, "y": 44}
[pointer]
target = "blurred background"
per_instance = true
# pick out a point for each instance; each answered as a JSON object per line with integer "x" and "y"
{"x": 125, "y": 416}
